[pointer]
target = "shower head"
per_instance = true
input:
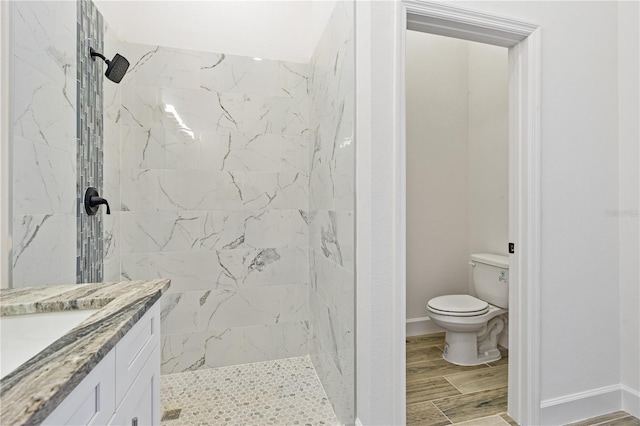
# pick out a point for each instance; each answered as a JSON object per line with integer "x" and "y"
{"x": 116, "y": 68}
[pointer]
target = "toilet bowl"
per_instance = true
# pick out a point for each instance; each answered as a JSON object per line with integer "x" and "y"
{"x": 473, "y": 325}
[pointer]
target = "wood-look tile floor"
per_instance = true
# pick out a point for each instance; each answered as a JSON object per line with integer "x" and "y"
{"x": 619, "y": 418}
{"x": 441, "y": 393}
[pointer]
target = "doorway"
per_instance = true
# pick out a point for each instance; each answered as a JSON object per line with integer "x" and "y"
{"x": 523, "y": 42}
{"x": 457, "y": 167}
{"x": 380, "y": 205}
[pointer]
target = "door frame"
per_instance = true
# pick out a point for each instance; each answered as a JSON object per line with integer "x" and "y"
{"x": 523, "y": 41}
{"x": 381, "y": 199}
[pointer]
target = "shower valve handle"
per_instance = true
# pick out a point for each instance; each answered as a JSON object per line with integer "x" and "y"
{"x": 92, "y": 200}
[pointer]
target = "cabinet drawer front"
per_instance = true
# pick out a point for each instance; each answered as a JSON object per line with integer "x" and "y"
{"x": 92, "y": 402}
{"x": 133, "y": 351}
{"x": 141, "y": 404}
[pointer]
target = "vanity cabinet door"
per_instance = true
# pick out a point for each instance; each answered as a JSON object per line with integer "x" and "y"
{"x": 134, "y": 349}
{"x": 92, "y": 402}
{"x": 141, "y": 404}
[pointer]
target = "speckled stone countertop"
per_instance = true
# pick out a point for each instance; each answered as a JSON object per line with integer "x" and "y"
{"x": 30, "y": 393}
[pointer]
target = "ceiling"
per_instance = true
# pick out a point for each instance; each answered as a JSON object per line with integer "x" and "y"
{"x": 282, "y": 30}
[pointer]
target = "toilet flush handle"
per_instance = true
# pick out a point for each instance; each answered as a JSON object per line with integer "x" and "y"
{"x": 472, "y": 263}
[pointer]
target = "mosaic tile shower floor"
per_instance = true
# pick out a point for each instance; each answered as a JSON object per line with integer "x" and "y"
{"x": 281, "y": 392}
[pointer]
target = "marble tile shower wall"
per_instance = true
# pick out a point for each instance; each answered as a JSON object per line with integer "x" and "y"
{"x": 332, "y": 199}
{"x": 214, "y": 179}
{"x": 43, "y": 134}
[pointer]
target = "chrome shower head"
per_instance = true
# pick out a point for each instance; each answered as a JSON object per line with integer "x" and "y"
{"x": 116, "y": 68}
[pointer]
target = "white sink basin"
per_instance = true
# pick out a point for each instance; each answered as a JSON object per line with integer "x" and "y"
{"x": 24, "y": 336}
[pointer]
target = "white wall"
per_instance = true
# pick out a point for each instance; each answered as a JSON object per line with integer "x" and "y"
{"x": 457, "y": 165}
{"x": 280, "y": 30}
{"x": 579, "y": 169}
{"x": 488, "y": 137}
{"x": 437, "y": 169}
{"x": 628, "y": 216}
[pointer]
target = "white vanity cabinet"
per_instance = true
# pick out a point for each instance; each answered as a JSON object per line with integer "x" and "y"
{"x": 124, "y": 388}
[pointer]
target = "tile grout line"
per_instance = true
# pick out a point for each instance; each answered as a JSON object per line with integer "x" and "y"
{"x": 441, "y": 412}
{"x": 462, "y": 393}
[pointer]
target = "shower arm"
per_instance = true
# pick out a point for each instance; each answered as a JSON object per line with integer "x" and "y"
{"x": 99, "y": 55}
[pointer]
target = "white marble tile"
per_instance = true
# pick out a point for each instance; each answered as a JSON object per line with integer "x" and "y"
{"x": 238, "y": 74}
{"x": 111, "y": 238}
{"x": 295, "y": 154}
{"x": 276, "y": 228}
{"x": 142, "y": 147}
{"x": 180, "y": 312}
{"x": 162, "y": 66}
{"x": 43, "y": 249}
{"x": 236, "y": 151}
{"x": 262, "y": 267}
{"x": 232, "y": 346}
{"x": 264, "y": 190}
{"x": 229, "y": 308}
{"x": 44, "y": 179}
{"x": 258, "y": 343}
{"x": 255, "y": 114}
{"x": 181, "y": 150}
{"x": 331, "y": 204}
{"x": 43, "y": 111}
{"x": 332, "y": 233}
{"x": 188, "y": 190}
{"x": 141, "y": 106}
{"x": 188, "y": 271}
{"x": 190, "y": 111}
{"x": 44, "y": 36}
{"x": 294, "y": 303}
{"x": 139, "y": 190}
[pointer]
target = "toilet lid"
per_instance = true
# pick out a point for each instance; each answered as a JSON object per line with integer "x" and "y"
{"x": 458, "y": 305}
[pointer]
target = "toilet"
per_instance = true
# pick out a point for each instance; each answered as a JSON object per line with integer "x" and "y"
{"x": 473, "y": 324}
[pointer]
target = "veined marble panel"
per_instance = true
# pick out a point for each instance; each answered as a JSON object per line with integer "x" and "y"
{"x": 44, "y": 110}
{"x": 140, "y": 105}
{"x": 188, "y": 271}
{"x": 231, "y": 346}
{"x": 331, "y": 205}
{"x": 44, "y": 179}
{"x": 139, "y": 189}
{"x": 162, "y": 66}
{"x": 44, "y": 37}
{"x": 333, "y": 284}
{"x": 48, "y": 242}
{"x": 236, "y": 74}
{"x": 262, "y": 267}
{"x": 181, "y": 312}
{"x": 142, "y": 147}
{"x": 332, "y": 233}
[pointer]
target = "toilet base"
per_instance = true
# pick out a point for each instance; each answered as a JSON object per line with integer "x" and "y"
{"x": 474, "y": 348}
{"x": 467, "y": 356}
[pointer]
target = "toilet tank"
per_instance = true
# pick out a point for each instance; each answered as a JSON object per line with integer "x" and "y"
{"x": 491, "y": 278}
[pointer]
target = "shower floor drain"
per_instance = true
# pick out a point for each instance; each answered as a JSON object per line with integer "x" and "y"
{"x": 171, "y": 414}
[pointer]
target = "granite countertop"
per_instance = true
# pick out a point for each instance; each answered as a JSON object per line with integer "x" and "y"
{"x": 30, "y": 393}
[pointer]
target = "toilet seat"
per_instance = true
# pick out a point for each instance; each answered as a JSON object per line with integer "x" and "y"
{"x": 458, "y": 305}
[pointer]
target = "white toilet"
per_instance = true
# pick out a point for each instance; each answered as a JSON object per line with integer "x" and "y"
{"x": 473, "y": 325}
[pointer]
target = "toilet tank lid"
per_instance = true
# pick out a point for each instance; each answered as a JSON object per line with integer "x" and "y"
{"x": 491, "y": 259}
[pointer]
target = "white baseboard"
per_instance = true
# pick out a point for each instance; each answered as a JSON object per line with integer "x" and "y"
{"x": 630, "y": 400}
{"x": 580, "y": 406}
{"x": 358, "y": 422}
{"x": 423, "y": 325}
